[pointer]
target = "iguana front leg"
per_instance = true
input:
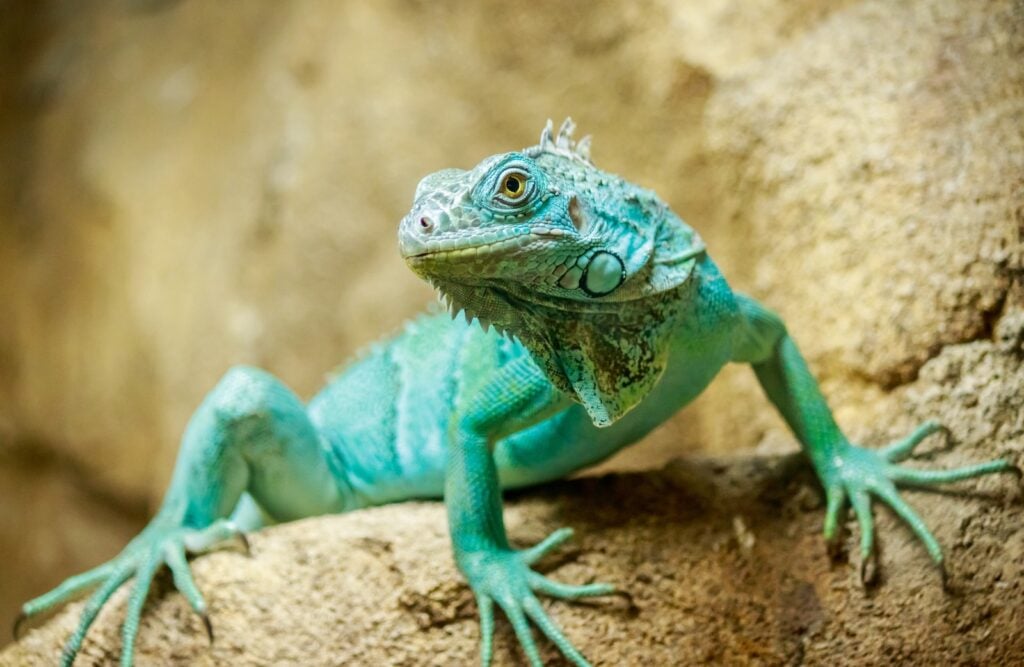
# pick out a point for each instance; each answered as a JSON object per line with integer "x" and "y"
{"x": 848, "y": 473}
{"x": 516, "y": 398}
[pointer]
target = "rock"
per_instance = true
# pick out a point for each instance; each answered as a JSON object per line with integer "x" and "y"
{"x": 887, "y": 168}
{"x": 870, "y": 190}
{"x": 729, "y": 570}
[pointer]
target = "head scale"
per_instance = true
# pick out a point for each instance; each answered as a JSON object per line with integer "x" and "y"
{"x": 582, "y": 266}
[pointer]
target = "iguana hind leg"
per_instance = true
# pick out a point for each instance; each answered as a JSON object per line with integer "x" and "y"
{"x": 251, "y": 433}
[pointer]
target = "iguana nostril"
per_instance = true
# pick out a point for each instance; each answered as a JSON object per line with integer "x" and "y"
{"x": 426, "y": 225}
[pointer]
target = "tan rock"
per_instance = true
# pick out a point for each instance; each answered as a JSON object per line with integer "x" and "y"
{"x": 882, "y": 153}
{"x": 870, "y": 175}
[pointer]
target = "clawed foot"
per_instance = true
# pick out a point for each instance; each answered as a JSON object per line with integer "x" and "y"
{"x": 856, "y": 474}
{"x": 505, "y": 577}
{"x": 161, "y": 543}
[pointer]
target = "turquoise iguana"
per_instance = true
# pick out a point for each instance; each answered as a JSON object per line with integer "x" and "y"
{"x": 587, "y": 314}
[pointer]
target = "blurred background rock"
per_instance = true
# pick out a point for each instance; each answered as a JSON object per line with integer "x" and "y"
{"x": 190, "y": 185}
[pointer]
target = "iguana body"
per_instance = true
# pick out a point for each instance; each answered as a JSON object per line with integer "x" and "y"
{"x": 613, "y": 317}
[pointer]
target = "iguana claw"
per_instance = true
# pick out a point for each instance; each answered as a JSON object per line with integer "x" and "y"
{"x": 834, "y": 548}
{"x": 504, "y": 578}
{"x": 246, "y": 545}
{"x": 868, "y": 569}
{"x": 18, "y": 622}
{"x": 856, "y": 474}
{"x": 162, "y": 543}
{"x": 239, "y": 541}
{"x": 208, "y": 625}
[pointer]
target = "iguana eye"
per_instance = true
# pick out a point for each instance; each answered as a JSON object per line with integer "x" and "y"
{"x": 513, "y": 185}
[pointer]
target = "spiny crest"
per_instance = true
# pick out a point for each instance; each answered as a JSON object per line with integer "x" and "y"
{"x": 455, "y": 310}
{"x": 562, "y": 143}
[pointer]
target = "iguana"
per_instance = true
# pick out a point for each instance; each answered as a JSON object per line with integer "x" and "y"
{"x": 587, "y": 313}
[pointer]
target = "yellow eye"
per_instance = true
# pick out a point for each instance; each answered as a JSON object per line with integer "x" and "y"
{"x": 513, "y": 185}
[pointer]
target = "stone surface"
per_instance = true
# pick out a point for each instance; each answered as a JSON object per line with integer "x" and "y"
{"x": 723, "y": 559}
{"x": 871, "y": 182}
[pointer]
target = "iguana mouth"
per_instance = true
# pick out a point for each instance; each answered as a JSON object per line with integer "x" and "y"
{"x": 509, "y": 239}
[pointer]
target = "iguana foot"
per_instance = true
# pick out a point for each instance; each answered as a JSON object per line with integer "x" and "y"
{"x": 162, "y": 542}
{"x": 505, "y": 577}
{"x": 856, "y": 473}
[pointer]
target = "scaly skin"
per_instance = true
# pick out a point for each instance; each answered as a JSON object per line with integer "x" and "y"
{"x": 616, "y": 318}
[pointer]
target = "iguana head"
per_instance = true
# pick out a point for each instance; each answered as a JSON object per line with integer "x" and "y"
{"x": 575, "y": 262}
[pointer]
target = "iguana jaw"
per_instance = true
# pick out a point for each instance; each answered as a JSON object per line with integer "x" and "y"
{"x": 456, "y": 248}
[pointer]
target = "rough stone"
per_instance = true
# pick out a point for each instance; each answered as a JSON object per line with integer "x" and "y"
{"x": 871, "y": 189}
